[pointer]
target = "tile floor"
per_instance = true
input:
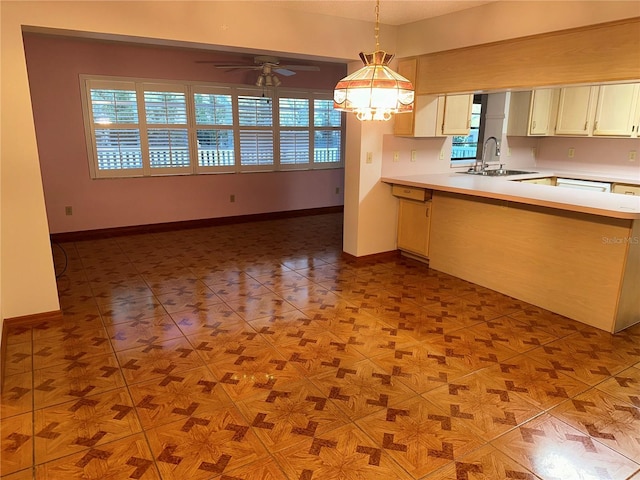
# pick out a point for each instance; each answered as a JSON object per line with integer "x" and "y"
{"x": 257, "y": 351}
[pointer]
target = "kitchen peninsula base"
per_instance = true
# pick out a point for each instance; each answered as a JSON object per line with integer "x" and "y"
{"x": 580, "y": 265}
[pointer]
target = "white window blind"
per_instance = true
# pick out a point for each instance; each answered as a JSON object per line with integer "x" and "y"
{"x": 165, "y": 107}
{"x": 118, "y": 149}
{"x": 255, "y": 117}
{"x": 294, "y": 131}
{"x": 256, "y": 147}
{"x": 214, "y": 132}
{"x": 294, "y": 147}
{"x": 327, "y": 141}
{"x": 294, "y": 112}
{"x": 114, "y": 128}
{"x": 144, "y": 128}
{"x": 167, "y": 133}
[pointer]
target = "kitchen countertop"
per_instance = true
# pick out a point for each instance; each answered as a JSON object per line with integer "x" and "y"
{"x": 613, "y": 205}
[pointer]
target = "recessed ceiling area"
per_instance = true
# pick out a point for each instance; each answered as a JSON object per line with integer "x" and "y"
{"x": 392, "y": 12}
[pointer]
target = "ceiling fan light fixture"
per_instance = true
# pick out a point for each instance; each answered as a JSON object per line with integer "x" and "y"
{"x": 375, "y": 92}
{"x": 268, "y": 80}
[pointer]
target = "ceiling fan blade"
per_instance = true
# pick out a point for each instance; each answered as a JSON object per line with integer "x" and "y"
{"x": 284, "y": 72}
{"x": 230, "y": 66}
{"x": 301, "y": 68}
{"x": 239, "y": 67}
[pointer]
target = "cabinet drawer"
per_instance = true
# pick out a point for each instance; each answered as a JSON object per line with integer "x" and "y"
{"x": 540, "y": 181}
{"x": 626, "y": 189}
{"x": 413, "y": 193}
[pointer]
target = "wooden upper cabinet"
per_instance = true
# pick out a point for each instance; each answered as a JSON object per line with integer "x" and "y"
{"x": 636, "y": 122}
{"x": 531, "y": 112}
{"x": 404, "y": 123}
{"x": 433, "y": 115}
{"x": 575, "y": 110}
{"x": 436, "y": 116}
{"x": 616, "y": 110}
{"x": 541, "y": 111}
{"x": 456, "y": 119}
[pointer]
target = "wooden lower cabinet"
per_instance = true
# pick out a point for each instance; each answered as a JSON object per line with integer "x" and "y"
{"x": 625, "y": 189}
{"x": 414, "y": 225}
{"x": 585, "y": 267}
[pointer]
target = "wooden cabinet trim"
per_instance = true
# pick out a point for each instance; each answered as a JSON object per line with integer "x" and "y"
{"x": 547, "y": 59}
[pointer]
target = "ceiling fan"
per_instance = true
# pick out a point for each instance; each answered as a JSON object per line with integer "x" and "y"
{"x": 267, "y": 66}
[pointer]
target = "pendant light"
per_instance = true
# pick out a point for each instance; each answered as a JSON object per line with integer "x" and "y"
{"x": 375, "y": 92}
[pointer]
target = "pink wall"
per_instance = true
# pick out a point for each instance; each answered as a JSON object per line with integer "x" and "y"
{"x": 54, "y": 64}
{"x": 605, "y": 156}
{"x": 516, "y": 154}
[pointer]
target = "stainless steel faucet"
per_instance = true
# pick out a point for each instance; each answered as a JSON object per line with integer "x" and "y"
{"x": 483, "y": 164}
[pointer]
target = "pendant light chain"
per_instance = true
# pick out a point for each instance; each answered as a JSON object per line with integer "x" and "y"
{"x": 377, "y": 29}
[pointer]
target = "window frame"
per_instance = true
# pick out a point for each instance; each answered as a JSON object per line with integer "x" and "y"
{"x": 190, "y": 89}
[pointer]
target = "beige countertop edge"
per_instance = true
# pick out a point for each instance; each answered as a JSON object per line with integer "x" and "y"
{"x": 596, "y": 203}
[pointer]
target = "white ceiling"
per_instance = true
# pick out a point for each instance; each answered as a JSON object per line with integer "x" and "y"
{"x": 392, "y": 12}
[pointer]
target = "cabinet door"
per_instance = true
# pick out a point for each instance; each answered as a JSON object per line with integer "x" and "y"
{"x": 626, "y": 189}
{"x": 519, "y": 105}
{"x": 575, "y": 109}
{"x": 616, "y": 109}
{"x": 539, "y": 120}
{"x": 636, "y": 121}
{"x": 457, "y": 114}
{"x": 404, "y": 124}
{"x": 414, "y": 220}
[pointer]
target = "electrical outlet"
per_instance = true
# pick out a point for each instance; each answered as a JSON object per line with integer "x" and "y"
{"x": 441, "y": 154}
{"x": 633, "y": 155}
{"x": 68, "y": 210}
{"x": 508, "y": 151}
{"x": 232, "y": 198}
{"x": 369, "y": 157}
{"x": 572, "y": 152}
{"x": 337, "y": 190}
{"x": 533, "y": 151}
{"x": 396, "y": 156}
{"x": 413, "y": 155}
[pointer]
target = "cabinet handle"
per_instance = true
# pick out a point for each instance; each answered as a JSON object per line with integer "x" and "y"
{"x": 406, "y": 190}
{"x": 586, "y": 125}
{"x": 426, "y": 212}
{"x": 595, "y": 126}
{"x": 533, "y": 125}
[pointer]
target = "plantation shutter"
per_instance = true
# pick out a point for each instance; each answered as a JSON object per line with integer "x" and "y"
{"x": 294, "y": 131}
{"x": 214, "y": 129}
{"x": 327, "y": 139}
{"x": 167, "y": 132}
{"x": 114, "y": 129}
{"x": 255, "y": 118}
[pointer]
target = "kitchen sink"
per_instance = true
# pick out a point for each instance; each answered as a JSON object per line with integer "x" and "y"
{"x": 498, "y": 173}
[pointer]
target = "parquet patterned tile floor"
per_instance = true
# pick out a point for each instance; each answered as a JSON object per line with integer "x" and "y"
{"x": 258, "y": 351}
